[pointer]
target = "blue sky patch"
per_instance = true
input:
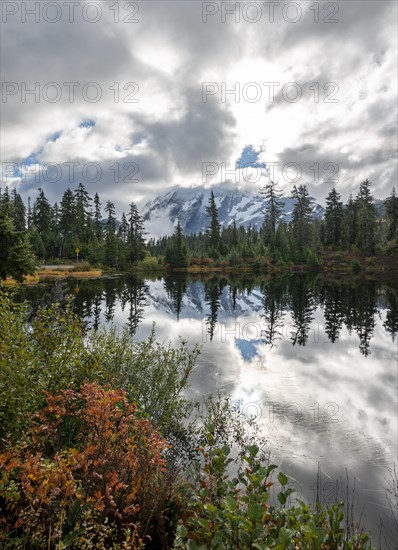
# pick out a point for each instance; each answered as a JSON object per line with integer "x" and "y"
{"x": 87, "y": 124}
{"x": 249, "y": 157}
{"x": 55, "y": 136}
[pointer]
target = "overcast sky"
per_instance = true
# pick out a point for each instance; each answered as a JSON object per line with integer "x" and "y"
{"x": 150, "y": 100}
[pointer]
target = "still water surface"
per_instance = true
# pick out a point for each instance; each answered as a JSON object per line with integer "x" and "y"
{"x": 314, "y": 362}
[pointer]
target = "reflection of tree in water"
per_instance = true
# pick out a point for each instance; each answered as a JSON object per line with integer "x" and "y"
{"x": 96, "y": 309}
{"x": 354, "y": 305}
{"x": 87, "y": 299}
{"x": 93, "y": 294}
{"x": 391, "y": 322}
{"x": 274, "y": 304}
{"x": 367, "y": 309}
{"x": 134, "y": 293}
{"x": 110, "y": 298}
{"x": 213, "y": 289}
{"x": 361, "y": 302}
{"x": 233, "y": 291}
{"x": 332, "y": 297}
{"x": 303, "y": 306}
{"x": 176, "y": 287}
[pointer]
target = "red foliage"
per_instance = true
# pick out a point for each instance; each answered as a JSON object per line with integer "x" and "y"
{"x": 90, "y": 457}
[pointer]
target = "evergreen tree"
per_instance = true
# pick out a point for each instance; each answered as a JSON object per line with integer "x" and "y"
{"x": 333, "y": 219}
{"x": 29, "y": 215}
{"x": 6, "y": 206}
{"x": 16, "y": 256}
{"x": 98, "y": 229}
{"x": 66, "y": 225}
{"x": 82, "y": 215}
{"x": 111, "y": 242}
{"x": 136, "y": 240}
{"x": 123, "y": 230}
{"x": 42, "y": 223}
{"x": 391, "y": 206}
{"x": 282, "y": 246}
{"x": 350, "y": 223}
{"x": 302, "y": 221}
{"x": 365, "y": 239}
{"x": 273, "y": 210}
{"x": 19, "y": 211}
{"x": 213, "y": 232}
{"x": 235, "y": 238}
{"x": 176, "y": 252}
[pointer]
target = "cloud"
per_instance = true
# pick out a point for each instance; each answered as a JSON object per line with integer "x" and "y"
{"x": 163, "y": 60}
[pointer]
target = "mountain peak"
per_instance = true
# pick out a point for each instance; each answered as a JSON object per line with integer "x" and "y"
{"x": 188, "y": 204}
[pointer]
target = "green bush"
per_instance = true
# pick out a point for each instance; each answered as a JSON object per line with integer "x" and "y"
{"x": 150, "y": 263}
{"x": 356, "y": 266}
{"x": 223, "y": 512}
{"x": 50, "y": 351}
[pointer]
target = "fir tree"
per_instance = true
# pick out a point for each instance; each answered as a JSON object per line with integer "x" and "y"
{"x": 333, "y": 219}
{"x": 350, "y": 222}
{"x": 111, "y": 242}
{"x": 176, "y": 252}
{"x": 391, "y": 206}
{"x": 19, "y": 211}
{"x": 16, "y": 257}
{"x": 365, "y": 239}
{"x": 302, "y": 221}
{"x": 98, "y": 229}
{"x": 273, "y": 210}
{"x": 82, "y": 215}
{"x": 42, "y": 222}
{"x": 136, "y": 240}
{"x": 213, "y": 231}
{"x": 66, "y": 224}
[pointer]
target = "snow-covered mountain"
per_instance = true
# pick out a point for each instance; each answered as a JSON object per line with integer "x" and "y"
{"x": 189, "y": 206}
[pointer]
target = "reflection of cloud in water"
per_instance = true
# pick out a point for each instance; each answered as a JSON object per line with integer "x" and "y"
{"x": 320, "y": 402}
{"x": 247, "y": 349}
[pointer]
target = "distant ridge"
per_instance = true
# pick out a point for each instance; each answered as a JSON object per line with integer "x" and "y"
{"x": 189, "y": 206}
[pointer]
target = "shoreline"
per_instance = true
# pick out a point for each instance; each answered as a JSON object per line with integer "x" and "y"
{"x": 335, "y": 266}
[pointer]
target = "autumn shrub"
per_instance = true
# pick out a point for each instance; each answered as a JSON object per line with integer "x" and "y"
{"x": 90, "y": 474}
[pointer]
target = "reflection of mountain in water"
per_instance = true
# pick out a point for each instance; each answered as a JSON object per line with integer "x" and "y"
{"x": 285, "y": 302}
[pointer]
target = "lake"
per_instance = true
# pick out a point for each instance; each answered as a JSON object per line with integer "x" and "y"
{"x": 315, "y": 362}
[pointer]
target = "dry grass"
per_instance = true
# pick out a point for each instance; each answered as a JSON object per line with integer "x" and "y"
{"x": 53, "y": 274}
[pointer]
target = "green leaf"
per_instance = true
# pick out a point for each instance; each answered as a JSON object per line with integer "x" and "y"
{"x": 203, "y": 523}
{"x": 285, "y": 535}
{"x": 182, "y": 531}
{"x": 211, "y": 508}
{"x": 270, "y": 468}
{"x": 281, "y": 497}
{"x": 255, "y": 511}
{"x": 230, "y": 503}
{"x": 253, "y": 450}
{"x": 282, "y": 478}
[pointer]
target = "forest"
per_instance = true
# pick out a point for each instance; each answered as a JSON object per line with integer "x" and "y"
{"x": 41, "y": 232}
